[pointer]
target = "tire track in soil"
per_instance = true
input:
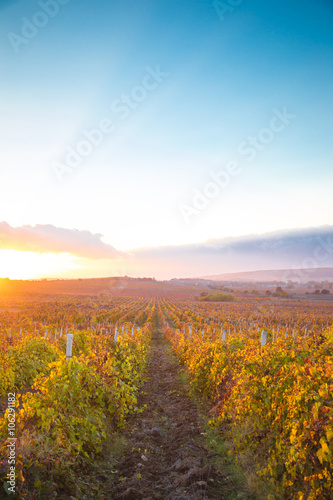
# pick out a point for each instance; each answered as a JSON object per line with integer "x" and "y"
{"x": 173, "y": 461}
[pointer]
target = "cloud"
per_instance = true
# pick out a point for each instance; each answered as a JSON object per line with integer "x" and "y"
{"x": 287, "y": 249}
{"x": 290, "y": 241}
{"x": 50, "y": 239}
{"x": 293, "y": 248}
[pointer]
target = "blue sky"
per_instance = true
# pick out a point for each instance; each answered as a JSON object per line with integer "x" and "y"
{"x": 223, "y": 80}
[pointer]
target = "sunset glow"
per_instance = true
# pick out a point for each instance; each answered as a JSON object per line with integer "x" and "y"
{"x": 139, "y": 137}
{"x": 30, "y": 265}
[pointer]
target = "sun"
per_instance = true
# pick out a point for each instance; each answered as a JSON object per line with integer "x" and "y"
{"x": 15, "y": 264}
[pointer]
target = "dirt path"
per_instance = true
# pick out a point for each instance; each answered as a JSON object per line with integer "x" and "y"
{"x": 166, "y": 457}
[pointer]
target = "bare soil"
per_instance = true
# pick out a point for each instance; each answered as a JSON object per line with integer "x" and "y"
{"x": 167, "y": 455}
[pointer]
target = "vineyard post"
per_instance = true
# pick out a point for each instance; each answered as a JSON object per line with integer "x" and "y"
{"x": 116, "y": 334}
{"x": 263, "y": 339}
{"x": 69, "y": 346}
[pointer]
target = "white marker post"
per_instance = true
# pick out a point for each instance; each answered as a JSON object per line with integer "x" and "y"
{"x": 69, "y": 346}
{"x": 263, "y": 339}
{"x": 116, "y": 334}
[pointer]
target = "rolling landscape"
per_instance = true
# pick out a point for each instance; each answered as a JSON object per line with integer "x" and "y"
{"x": 317, "y": 275}
{"x": 138, "y": 388}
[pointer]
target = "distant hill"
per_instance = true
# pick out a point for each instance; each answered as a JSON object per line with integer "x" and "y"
{"x": 299, "y": 275}
{"x": 113, "y": 286}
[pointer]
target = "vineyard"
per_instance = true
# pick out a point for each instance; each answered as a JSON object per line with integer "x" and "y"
{"x": 73, "y": 369}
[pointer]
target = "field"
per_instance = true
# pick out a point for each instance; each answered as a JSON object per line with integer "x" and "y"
{"x": 163, "y": 395}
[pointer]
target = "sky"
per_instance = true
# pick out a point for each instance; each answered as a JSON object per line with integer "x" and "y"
{"x": 135, "y": 126}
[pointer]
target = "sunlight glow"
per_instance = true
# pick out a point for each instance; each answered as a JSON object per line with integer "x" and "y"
{"x": 30, "y": 265}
